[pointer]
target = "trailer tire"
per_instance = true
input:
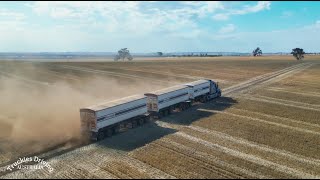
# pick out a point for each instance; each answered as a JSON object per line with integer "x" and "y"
{"x": 201, "y": 99}
{"x": 166, "y": 112}
{"x": 134, "y": 123}
{"x": 116, "y": 129}
{"x": 206, "y": 98}
{"x": 109, "y": 132}
{"x": 182, "y": 107}
{"x": 170, "y": 111}
{"x": 101, "y": 135}
{"x": 160, "y": 115}
{"x": 188, "y": 105}
{"x": 141, "y": 121}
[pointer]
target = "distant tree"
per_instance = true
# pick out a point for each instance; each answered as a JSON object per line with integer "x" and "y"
{"x": 160, "y": 53}
{"x": 298, "y": 53}
{"x": 257, "y": 52}
{"x": 122, "y": 54}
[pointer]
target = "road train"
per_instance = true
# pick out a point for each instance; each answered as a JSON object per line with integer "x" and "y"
{"x": 104, "y": 120}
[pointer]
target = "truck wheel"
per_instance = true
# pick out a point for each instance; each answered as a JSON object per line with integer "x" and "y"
{"x": 189, "y": 105}
{"x": 208, "y": 98}
{"x": 100, "y": 135}
{"x": 141, "y": 121}
{"x": 147, "y": 119}
{"x": 165, "y": 112}
{"x": 182, "y": 107}
{"x": 109, "y": 132}
{"x": 116, "y": 129}
{"x": 202, "y": 99}
{"x": 170, "y": 110}
{"x": 134, "y": 123}
{"x": 205, "y": 99}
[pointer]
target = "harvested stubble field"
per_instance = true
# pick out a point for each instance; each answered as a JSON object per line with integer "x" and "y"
{"x": 271, "y": 131}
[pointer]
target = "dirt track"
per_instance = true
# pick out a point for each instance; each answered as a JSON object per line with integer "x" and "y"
{"x": 230, "y": 137}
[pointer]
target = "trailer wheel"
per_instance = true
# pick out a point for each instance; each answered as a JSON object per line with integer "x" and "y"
{"x": 181, "y": 107}
{"x": 109, "y": 132}
{"x": 141, "y": 121}
{"x": 205, "y": 99}
{"x": 188, "y": 105}
{"x": 166, "y": 112}
{"x": 101, "y": 135}
{"x": 116, "y": 129}
{"x": 147, "y": 119}
{"x": 160, "y": 115}
{"x": 134, "y": 123}
{"x": 170, "y": 110}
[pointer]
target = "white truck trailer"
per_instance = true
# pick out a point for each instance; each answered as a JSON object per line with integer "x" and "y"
{"x": 163, "y": 102}
{"x": 103, "y": 120}
{"x": 203, "y": 90}
{"x": 106, "y": 119}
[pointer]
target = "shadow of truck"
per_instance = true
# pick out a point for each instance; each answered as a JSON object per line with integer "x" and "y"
{"x": 193, "y": 114}
{"x": 138, "y": 137}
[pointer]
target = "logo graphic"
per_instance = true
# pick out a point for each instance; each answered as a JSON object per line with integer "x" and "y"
{"x": 38, "y": 164}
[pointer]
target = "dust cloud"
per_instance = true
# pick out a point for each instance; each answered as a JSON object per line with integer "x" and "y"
{"x": 38, "y": 115}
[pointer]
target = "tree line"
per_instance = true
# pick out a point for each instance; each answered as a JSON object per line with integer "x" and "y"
{"x": 124, "y": 53}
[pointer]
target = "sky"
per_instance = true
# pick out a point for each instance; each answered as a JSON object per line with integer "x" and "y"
{"x": 152, "y": 26}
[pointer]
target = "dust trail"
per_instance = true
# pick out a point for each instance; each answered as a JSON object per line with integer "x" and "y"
{"x": 39, "y": 116}
{"x": 153, "y": 81}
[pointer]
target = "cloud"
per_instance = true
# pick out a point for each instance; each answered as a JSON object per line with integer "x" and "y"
{"x": 131, "y": 15}
{"x": 260, "y": 6}
{"x": 6, "y": 14}
{"x": 142, "y": 26}
{"x": 11, "y": 20}
{"x": 131, "y": 18}
{"x": 227, "y": 29}
{"x": 286, "y": 14}
{"x": 221, "y": 17}
{"x": 271, "y": 41}
{"x": 74, "y": 39}
{"x": 315, "y": 26}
